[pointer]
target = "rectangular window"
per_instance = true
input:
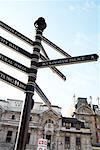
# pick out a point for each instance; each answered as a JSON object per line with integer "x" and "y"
{"x": 67, "y": 142}
{"x": 68, "y": 125}
{"x": 48, "y": 137}
{"x": 87, "y": 124}
{"x": 78, "y": 143}
{"x": 9, "y": 135}
{"x": 78, "y": 126}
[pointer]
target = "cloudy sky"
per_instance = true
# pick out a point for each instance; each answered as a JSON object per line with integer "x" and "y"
{"x": 73, "y": 25}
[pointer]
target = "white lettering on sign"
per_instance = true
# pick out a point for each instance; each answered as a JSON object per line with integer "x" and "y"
{"x": 15, "y": 47}
{"x": 11, "y": 30}
{"x": 67, "y": 61}
{"x": 13, "y": 63}
{"x": 8, "y": 43}
{"x": 12, "y": 81}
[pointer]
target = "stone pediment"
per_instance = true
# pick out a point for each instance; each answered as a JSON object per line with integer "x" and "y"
{"x": 85, "y": 109}
{"x": 50, "y": 113}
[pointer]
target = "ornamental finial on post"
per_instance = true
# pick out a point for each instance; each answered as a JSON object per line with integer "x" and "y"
{"x": 40, "y": 24}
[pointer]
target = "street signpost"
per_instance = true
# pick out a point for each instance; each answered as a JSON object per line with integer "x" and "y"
{"x": 68, "y": 61}
{"x": 31, "y": 86}
{"x": 28, "y": 41}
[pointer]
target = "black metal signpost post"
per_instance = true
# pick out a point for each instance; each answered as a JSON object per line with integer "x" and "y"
{"x": 40, "y": 25}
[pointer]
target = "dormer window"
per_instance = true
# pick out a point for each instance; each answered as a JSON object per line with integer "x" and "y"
{"x": 78, "y": 126}
{"x": 68, "y": 125}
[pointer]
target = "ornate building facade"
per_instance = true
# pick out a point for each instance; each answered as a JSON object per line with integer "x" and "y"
{"x": 90, "y": 115}
{"x": 62, "y": 133}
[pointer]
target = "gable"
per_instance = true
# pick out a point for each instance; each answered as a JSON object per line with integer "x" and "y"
{"x": 84, "y": 109}
{"x": 51, "y": 113}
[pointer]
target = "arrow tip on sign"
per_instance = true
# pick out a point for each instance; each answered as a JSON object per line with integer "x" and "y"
{"x": 64, "y": 78}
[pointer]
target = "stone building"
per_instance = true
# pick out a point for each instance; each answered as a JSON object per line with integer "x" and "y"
{"x": 62, "y": 133}
{"x": 90, "y": 115}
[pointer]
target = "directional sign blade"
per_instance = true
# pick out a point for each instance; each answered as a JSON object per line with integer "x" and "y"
{"x": 15, "y": 47}
{"x": 13, "y": 63}
{"x": 16, "y": 33}
{"x": 12, "y": 81}
{"x": 22, "y": 86}
{"x": 55, "y": 47}
{"x": 68, "y": 61}
{"x": 29, "y": 41}
{"x": 42, "y": 95}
